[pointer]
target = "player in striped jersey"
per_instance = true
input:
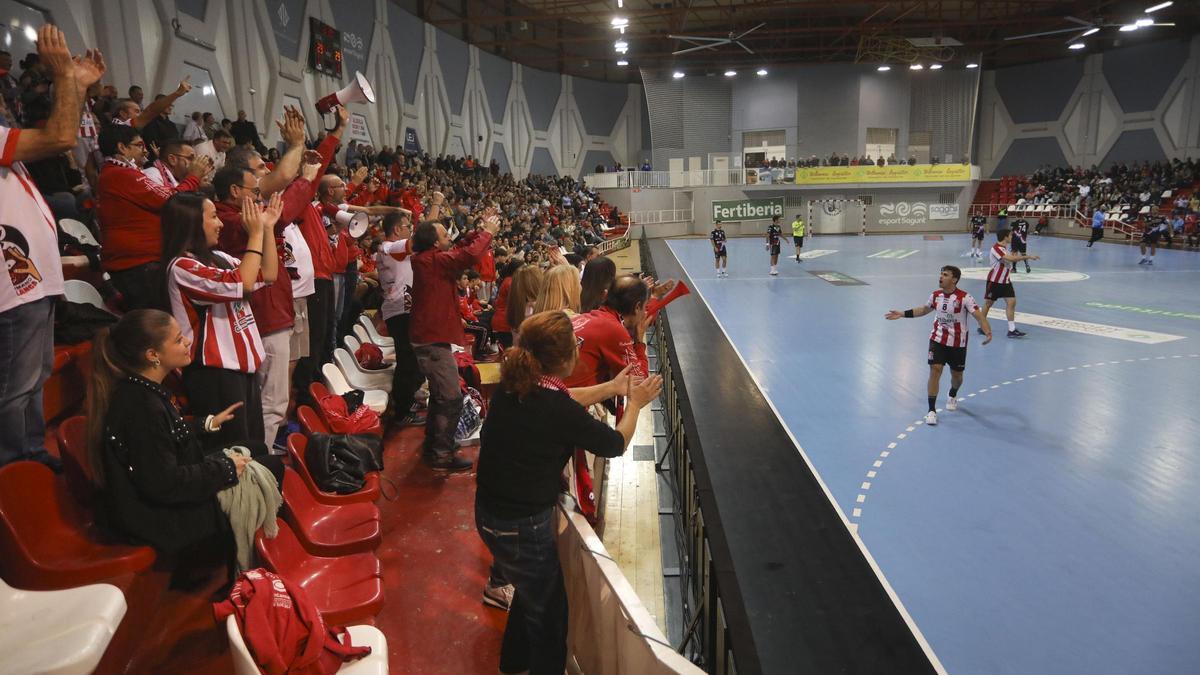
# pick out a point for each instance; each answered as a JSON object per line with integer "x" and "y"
{"x": 948, "y": 340}
{"x": 998, "y": 283}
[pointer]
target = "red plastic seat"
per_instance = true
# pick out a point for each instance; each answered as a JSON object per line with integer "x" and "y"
{"x": 346, "y": 589}
{"x": 311, "y": 422}
{"x": 297, "y": 444}
{"x": 329, "y": 530}
{"x": 77, "y": 465}
{"x": 41, "y": 548}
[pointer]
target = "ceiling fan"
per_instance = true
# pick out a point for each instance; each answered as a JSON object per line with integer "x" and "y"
{"x": 703, "y": 42}
{"x": 1084, "y": 28}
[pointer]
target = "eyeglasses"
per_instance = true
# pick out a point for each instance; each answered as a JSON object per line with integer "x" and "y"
{"x": 189, "y": 158}
{"x": 138, "y": 144}
{"x": 254, "y": 189}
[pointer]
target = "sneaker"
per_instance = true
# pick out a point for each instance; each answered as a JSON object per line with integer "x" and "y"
{"x": 453, "y": 464}
{"x": 980, "y": 331}
{"x": 1143, "y": 261}
{"x": 1150, "y": 262}
{"x": 413, "y": 419}
{"x": 774, "y": 272}
{"x": 931, "y": 418}
{"x": 1015, "y": 334}
{"x": 952, "y": 403}
{"x": 1027, "y": 269}
{"x": 499, "y": 597}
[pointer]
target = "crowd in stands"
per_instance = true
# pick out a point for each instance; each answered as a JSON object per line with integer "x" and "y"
{"x": 1143, "y": 193}
{"x": 235, "y": 275}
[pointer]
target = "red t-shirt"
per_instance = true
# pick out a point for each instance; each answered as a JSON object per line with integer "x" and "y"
{"x": 605, "y": 348}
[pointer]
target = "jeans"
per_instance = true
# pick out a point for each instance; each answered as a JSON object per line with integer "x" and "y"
{"x": 339, "y": 306}
{"x": 407, "y": 378}
{"x": 437, "y": 364}
{"x": 526, "y": 553}
{"x": 26, "y": 361}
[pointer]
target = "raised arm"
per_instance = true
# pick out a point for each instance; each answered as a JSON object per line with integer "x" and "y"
{"x": 160, "y": 106}
{"x": 291, "y": 129}
{"x": 72, "y": 77}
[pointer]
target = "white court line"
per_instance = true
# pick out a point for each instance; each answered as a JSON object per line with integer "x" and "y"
{"x": 1146, "y": 337}
{"x": 852, "y": 528}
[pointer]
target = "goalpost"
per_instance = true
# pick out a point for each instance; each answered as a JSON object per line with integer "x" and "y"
{"x": 837, "y": 216}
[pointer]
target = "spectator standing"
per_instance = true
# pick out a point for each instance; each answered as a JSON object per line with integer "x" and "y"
{"x": 436, "y": 325}
{"x": 29, "y": 243}
{"x": 533, "y": 427}
{"x": 396, "y": 280}
{"x": 246, "y": 133}
{"x": 207, "y": 289}
{"x": 160, "y": 130}
{"x": 192, "y": 132}
{"x": 127, "y": 207}
{"x": 210, "y": 125}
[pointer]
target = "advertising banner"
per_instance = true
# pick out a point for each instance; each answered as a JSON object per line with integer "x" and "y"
{"x": 943, "y": 211}
{"x": 747, "y": 209}
{"x": 899, "y": 173}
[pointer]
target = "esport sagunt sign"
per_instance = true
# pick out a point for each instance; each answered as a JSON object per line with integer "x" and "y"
{"x": 747, "y": 209}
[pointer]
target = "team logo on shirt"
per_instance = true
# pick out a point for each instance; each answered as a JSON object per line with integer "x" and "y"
{"x": 18, "y": 260}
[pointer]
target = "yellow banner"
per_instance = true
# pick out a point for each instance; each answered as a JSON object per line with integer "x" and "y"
{"x": 898, "y": 173}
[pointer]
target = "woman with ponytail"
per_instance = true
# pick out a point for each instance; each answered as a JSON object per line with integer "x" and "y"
{"x": 157, "y": 486}
{"x": 533, "y": 427}
{"x": 208, "y": 291}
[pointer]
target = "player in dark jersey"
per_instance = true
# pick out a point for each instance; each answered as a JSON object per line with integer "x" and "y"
{"x": 978, "y": 232}
{"x": 717, "y": 237}
{"x": 774, "y": 233}
{"x": 1151, "y": 233}
{"x": 1020, "y": 241}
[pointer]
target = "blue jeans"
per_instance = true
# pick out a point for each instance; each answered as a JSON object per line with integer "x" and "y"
{"x": 26, "y": 360}
{"x": 526, "y": 553}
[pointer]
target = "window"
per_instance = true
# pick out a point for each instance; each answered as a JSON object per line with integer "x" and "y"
{"x": 202, "y": 97}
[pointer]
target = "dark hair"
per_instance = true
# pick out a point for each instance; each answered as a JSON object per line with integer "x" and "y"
{"x": 221, "y": 133}
{"x": 1001, "y": 235}
{"x": 132, "y": 88}
{"x": 118, "y": 351}
{"x": 597, "y": 280}
{"x": 114, "y": 135}
{"x": 953, "y": 270}
{"x": 240, "y": 156}
{"x": 171, "y": 147}
{"x": 472, "y": 274}
{"x": 227, "y": 177}
{"x": 626, "y": 294}
{"x": 392, "y": 222}
{"x": 424, "y": 237}
{"x": 182, "y": 219}
{"x": 546, "y": 346}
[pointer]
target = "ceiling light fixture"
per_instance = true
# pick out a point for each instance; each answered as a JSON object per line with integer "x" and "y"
{"x": 1090, "y": 31}
{"x": 622, "y": 62}
{"x": 1161, "y": 5}
{"x": 1129, "y": 27}
{"x": 678, "y": 75}
{"x": 620, "y": 4}
{"x": 1076, "y": 45}
{"x": 730, "y": 73}
{"x": 762, "y": 72}
{"x": 936, "y": 66}
{"x": 621, "y": 46}
{"x": 883, "y": 69}
{"x": 916, "y": 66}
{"x": 619, "y": 21}
{"x": 972, "y": 65}
{"x": 1144, "y": 22}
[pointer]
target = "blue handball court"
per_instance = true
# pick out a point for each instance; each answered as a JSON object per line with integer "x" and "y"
{"x": 1049, "y": 525}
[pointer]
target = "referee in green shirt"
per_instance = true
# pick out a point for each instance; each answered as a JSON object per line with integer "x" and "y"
{"x": 798, "y": 235}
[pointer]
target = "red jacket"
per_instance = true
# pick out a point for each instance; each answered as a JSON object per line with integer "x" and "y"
{"x": 435, "y": 289}
{"x": 487, "y": 266}
{"x": 605, "y": 347}
{"x": 466, "y": 308}
{"x": 312, "y": 228}
{"x": 127, "y": 206}
{"x": 283, "y": 629}
{"x": 500, "y": 316}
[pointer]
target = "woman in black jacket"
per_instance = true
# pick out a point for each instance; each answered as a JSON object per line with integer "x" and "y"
{"x": 157, "y": 486}
{"x": 533, "y": 426}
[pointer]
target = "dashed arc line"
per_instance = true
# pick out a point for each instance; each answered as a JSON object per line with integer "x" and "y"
{"x": 861, "y": 498}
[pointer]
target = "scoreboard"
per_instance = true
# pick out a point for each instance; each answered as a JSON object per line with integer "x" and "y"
{"x": 325, "y": 49}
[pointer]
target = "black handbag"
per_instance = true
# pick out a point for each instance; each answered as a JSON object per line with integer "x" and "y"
{"x": 334, "y": 466}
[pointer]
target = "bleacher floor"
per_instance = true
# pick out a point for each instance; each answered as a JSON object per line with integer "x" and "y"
{"x": 1048, "y": 525}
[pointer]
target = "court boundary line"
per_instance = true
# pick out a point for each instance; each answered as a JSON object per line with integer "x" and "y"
{"x": 851, "y": 528}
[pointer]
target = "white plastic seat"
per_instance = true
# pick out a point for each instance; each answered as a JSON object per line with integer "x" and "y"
{"x": 375, "y": 663}
{"x": 1167, "y": 194}
{"x": 359, "y": 377}
{"x": 57, "y": 632}
{"x": 352, "y": 343}
{"x": 80, "y": 291}
{"x": 335, "y": 381}
{"x": 1144, "y": 210}
{"x": 78, "y": 230}
{"x": 381, "y": 340}
{"x": 361, "y": 333}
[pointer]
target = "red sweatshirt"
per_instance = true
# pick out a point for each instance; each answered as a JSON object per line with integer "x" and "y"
{"x": 605, "y": 347}
{"x": 127, "y": 206}
{"x": 500, "y": 316}
{"x": 311, "y": 226}
{"x": 435, "y": 289}
{"x": 283, "y": 629}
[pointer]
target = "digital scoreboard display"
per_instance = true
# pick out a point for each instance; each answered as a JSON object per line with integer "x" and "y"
{"x": 325, "y": 50}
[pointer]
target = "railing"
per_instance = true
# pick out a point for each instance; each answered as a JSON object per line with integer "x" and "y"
{"x": 616, "y": 244}
{"x": 666, "y": 179}
{"x": 660, "y": 216}
{"x": 706, "y": 640}
{"x": 1025, "y": 210}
